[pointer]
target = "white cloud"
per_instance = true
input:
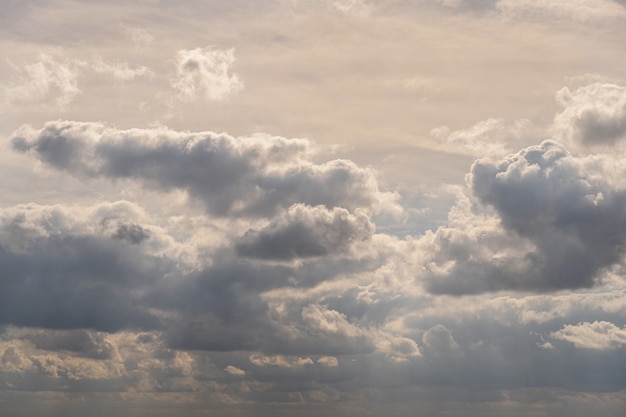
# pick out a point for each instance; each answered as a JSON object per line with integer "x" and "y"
{"x": 359, "y": 8}
{"x": 597, "y": 335}
{"x": 282, "y": 361}
{"x": 329, "y": 361}
{"x": 233, "y": 370}
{"x": 206, "y": 72}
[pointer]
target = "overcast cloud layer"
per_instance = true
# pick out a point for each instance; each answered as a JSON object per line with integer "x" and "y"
{"x": 306, "y": 208}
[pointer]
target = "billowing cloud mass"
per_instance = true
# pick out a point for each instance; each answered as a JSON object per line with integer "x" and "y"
{"x": 393, "y": 215}
{"x": 556, "y": 224}
{"x": 252, "y": 176}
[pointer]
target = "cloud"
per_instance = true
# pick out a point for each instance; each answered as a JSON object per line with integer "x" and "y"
{"x": 83, "y": 277}
{"x": 53, "y": 77}
{"x": 206, "y": 72}
{"x": 556, "y": 224}
{"x": 596, "y": 335}
{"x": 359, "y": 8}
{"x": 594, "y": 114}
{"x": 490, "y": 137}
{"x": 251, "y": 176}
{"x": 306, "y": 231}
{"x": 576, "y": 10}
{"x": 233, "y": 370}
{"x": 132, "y": 233}
{"x": 258, "y": 359}
{"x": 120, "y": 70}
{"x": 140, "y": 37}
{"x": 329, "y": 361}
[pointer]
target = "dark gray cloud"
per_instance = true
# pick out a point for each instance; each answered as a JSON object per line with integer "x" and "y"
{"x": 86, "y": 343}
{"x": 254, "y": 176}
{"x": 58, "y": 277}
{"x": 305, "y": 232}
{"x": 132, "y": 233}
{"x": 557, "y": 226}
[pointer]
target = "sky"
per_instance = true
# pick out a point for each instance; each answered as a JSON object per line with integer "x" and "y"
{"x": 313, "y": 208}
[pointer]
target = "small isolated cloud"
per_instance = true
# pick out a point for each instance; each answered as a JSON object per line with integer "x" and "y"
{"x": 328, "y": 361}
{"x": 305, "y": 231}
{"x": 258, "y": 359}
{"x": 206, "y": 72}
{"x": 598, "y": 335}
{"x": 233, "y": 370}
{"x": 592, "y": 115}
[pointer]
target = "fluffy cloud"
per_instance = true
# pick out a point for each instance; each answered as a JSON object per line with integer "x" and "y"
{"x": 306, "y": 232}
{"x": 254, "y": 176}
{"x": 596, "y": 335}
{"x": 594, "y": 114}
{"x": 206, "y": 72}
{"x": 556, "y": 225}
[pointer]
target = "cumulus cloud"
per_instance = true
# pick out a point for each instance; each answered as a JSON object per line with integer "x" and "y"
{"x": 556, "y": 225}
{"x": 594, "y": 114}
{"x": 306, "y": 231}
{"x": 206, "y": 72}
{"x": 258, "y": 359}
{"x": 596, "y": 335}
{"x": 254, "y": 176}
